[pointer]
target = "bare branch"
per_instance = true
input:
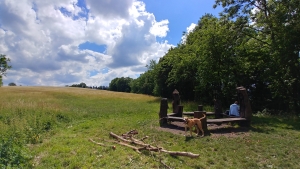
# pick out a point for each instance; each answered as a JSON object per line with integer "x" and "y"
{"x": 149, "y": 147}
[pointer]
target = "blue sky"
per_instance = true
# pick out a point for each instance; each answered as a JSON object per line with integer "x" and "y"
{"x": 65, "y": 42}
{"x": 180, "y": 14}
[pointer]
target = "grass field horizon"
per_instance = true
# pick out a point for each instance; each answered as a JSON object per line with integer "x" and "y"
{"x": 50, "y": 127}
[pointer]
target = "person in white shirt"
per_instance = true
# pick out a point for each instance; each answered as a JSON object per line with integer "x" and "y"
{"x": 234, "y": 109}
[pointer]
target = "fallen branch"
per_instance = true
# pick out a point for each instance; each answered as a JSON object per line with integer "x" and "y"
{"x": 150, "y": 147}
{"x": 101, "y": 144}
{"x": 138, "y": 142}
{"x": 142, "y": 139}
{"x": 127, "y": 145}
{"x": 165, "y": 165}
{"x": 130, "y": 134}
{"x": 119, "y": 137}
{"x": 180, "y": 153}
{"x": 132, "y": 141}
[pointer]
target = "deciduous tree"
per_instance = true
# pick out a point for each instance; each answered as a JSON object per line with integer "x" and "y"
{"x": 12, "y": 84}
{"x": 4, "y": 66}
{"x": 277, "y": 24}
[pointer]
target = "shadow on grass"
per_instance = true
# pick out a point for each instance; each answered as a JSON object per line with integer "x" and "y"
{"x": 178, "y": 128}
{"x": 227, "y": 129}
{"x": 264, "y": 124}
{"x": 259, "y": 124}
{"x": 173, "y": 126}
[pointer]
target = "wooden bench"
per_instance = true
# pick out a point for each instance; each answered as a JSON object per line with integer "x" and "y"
{"x": 228, "y": 116}
{"x": 174, "y": 114}
{"x": 172, "y": 118}
{"x": 242, "y": 97}
{"x": 192, "y": 113}
{"x": 225, "y": 120}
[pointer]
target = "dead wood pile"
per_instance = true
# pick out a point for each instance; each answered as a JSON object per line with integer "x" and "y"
{"x": 138, "y": 145}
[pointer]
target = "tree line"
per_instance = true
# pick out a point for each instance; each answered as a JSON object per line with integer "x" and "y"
{"x": 254, "y": 44}
{"x": 83, "y": 85}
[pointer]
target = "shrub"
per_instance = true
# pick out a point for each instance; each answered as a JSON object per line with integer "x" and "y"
{"x": 12, "y": 84}
{"x": 12, "y": 152}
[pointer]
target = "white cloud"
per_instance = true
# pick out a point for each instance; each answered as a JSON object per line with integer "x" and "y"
{"x": 110, "y": 8}
{"x": 160, "y": 29}
{"x": 42, "y": 40}
{"x": 188, "y": 30}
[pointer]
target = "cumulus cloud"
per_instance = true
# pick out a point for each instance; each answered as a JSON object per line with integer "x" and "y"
{"x": 110, "y": 8}
{"x": 42, "y": 39}
{"x": 189, "y": 29}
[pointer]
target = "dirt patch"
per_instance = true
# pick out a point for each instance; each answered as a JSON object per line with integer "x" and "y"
{"x": 214, "y": 130}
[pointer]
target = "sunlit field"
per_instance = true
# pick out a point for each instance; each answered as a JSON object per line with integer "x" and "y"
{"x": 50, "y": 127}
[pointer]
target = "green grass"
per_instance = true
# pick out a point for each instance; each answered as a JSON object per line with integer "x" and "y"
{"x": 49, "y": 127}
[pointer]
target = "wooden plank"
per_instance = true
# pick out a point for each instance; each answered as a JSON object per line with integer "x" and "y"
{"x": 172, "y": 118}
{"x": 226, "y": 115}
{"x": 210, "y": 113}
{"x": 222, "y": 120}
{"x": 188, "y": 113}
{"x": 173, "y": 114}
{"x": 192, "y": 113}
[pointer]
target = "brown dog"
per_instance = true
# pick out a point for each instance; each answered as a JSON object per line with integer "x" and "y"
{"x": 189, "y": 123}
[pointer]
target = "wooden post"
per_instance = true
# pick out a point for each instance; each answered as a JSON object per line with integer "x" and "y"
{"x": 245, "y": 106}
{"x": 199, "y": 114}
{"x": 176, "y": 101}
{"x": 218, "y": 108}
{"x": 200, "y": 107}
{"x": 163, "y": 111}
{"x": 179, "y": 111}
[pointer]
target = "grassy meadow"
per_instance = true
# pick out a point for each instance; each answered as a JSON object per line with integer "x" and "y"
{"x": 50, "y": 127}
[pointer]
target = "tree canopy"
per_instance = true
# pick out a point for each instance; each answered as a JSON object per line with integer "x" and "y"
{"x": 254, "y": 43}
{"x": 82, "y": 84}
{"x": 12, "y": 84}
{"x": 4, "y": 66}
{"x": 120, "y": 84}
{"x": 277, "y": 29}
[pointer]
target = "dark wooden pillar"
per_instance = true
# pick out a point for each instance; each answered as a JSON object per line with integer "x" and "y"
{"x": 245, "y": 106}
{"x": 200, "y": 107}
{"x": 200, "y": 114}
{"x": 179, "y": 111}
{"x": 163, "y": 111}
{"x": 176, "y": 101}
{"x": 218, "y": 108}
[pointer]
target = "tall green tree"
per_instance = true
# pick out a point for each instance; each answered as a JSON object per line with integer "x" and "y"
{"x": 4, "y": 66}
{"x": 12, "y": 84}
{"x": 163, "y": 87}
{"x": 208, "y": 63}
{"x": 82, "y": 84}
{"x": 145, "y": 83}
{"x": 277, "y": 24}
{"x": 120, "y": 84}
{"x": 212, "y": 62}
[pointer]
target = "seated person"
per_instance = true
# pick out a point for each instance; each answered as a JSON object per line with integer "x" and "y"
{"x": 234, "y": 109}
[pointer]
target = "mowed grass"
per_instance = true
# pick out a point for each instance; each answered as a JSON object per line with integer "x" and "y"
{"x": 50, "y": 127}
